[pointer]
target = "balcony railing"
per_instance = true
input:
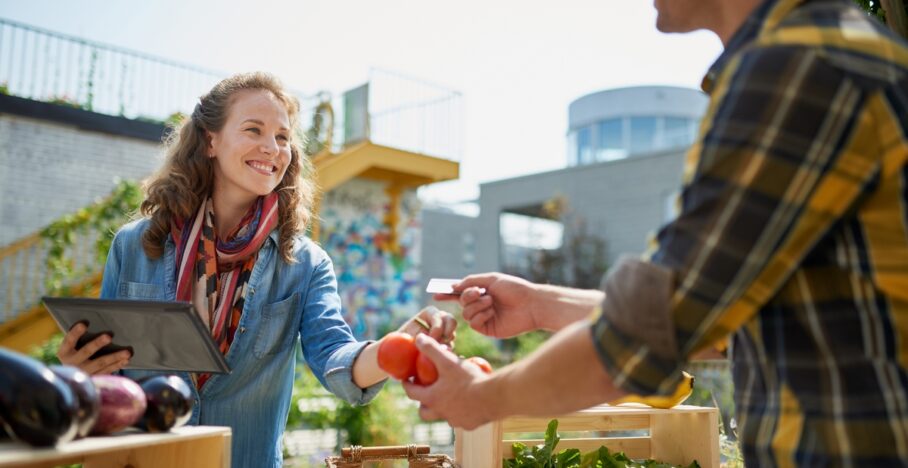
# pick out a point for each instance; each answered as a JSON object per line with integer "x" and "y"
{"x": 393, "y": 110}
{"x": 48, "y": 66}
{"x": 390, "y": 109}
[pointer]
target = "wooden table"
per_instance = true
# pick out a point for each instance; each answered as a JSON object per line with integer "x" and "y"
{"x": 189, "y": 446}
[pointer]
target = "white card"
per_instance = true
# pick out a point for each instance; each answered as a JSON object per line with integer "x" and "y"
{"x": 441, "y": 286}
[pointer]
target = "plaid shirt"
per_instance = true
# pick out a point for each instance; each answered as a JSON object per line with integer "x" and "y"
{"x": 793, "y": 238}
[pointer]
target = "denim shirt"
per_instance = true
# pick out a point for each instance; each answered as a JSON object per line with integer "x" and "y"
{"x": 285, "y": 304}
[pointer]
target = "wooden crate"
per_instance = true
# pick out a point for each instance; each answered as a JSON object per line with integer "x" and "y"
{"x": 678, "y": 435}
{"x": 195, "y": 446}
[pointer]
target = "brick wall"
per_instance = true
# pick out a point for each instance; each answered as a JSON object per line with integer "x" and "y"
{"x": 48, "y": 169}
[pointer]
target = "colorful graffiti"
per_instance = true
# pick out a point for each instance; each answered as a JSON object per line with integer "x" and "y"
{"x": 379, "y": 289}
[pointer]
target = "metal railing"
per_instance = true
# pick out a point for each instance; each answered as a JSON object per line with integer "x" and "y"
{"x": 48, "y": 66}
{"x": 415, "y": 115}
{"x": 43, "y": 65}
{"x": 394, "y": 110}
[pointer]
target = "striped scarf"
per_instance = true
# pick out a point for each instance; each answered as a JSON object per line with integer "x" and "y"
{"x": 213, "y": 273}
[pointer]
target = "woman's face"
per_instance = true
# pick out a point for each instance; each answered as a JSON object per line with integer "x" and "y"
{"x": 252, "y": 151}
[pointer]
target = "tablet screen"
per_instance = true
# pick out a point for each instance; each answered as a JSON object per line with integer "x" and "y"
{"x": 166, "y": 336}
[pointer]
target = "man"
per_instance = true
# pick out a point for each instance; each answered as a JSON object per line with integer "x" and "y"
{"x": 792, "y": 238}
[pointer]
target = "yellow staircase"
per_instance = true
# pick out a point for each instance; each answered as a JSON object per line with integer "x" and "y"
{"x": 24, "y": 323}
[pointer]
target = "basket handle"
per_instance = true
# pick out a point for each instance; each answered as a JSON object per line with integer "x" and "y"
{"x": 356, "y": 453}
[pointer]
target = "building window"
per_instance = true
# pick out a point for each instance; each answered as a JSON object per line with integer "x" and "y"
{"x": 620, "y": 137}
{"x": 678, "y": 132}
{"x": 611, "y": 140}
{"x": 585, "y": 145}
{"x": 523, "y": 237}
{"x": 643, "y": 134}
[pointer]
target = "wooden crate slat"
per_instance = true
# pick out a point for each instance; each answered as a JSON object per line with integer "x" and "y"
{"x": 580, "y": 422}
{"x": 634, "y": 447}
{"x": 637, "y": 408}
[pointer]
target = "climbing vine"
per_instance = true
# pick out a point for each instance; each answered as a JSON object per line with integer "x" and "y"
{"x": 103, "y": 217}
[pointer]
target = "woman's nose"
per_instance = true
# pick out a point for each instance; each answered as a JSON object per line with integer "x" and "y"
{"x": 269, "y": 146}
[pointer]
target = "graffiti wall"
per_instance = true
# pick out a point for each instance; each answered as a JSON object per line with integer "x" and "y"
{"x": 379, "y": 288}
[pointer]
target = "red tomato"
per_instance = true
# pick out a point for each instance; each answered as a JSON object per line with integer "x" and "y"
{"x": 482, "y": 363}
{"x": 397, "y": 355}
{"x": 426, "y": 372}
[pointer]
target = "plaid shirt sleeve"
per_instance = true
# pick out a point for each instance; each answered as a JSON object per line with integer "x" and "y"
{"x": 782, "y": 155}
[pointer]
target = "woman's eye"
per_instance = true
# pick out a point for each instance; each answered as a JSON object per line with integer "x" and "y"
{"x": 283, "y": 137}
{"x": 254, "y": 130}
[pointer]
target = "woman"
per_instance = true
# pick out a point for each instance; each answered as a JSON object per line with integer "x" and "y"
{"x": 224, "y": 228}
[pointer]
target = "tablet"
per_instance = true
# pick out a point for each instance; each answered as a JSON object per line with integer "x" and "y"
{"x": 166, "y": 336}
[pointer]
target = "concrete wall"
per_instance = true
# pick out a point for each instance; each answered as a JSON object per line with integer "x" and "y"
{"x": 449, "y": 248}
{"x": 48, "y": 169}
{"x": 623, "y": 201}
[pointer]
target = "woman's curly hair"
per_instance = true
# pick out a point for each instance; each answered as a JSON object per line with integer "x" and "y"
{"x": 186, "y": 179}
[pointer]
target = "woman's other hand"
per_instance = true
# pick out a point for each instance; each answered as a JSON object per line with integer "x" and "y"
{"x": 70, "y": 356}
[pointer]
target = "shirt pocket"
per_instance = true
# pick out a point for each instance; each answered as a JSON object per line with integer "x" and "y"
{"x": 130, "y": 290}
{"x": 277, "y": 327}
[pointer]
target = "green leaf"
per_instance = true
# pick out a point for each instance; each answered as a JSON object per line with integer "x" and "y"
{"x": 568, "y": 458}
{"x": 551, "y": 436}
{"x": 518, "y": 449}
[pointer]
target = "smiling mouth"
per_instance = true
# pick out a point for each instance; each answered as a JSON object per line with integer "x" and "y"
{"x": 262, "y": 167}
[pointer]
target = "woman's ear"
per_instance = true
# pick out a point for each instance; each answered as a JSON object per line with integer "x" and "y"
{"x": 209, "y": 139}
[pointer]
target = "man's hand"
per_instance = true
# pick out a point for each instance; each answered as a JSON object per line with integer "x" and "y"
{"x": 453, "y": 397}
{"x": 70, "y": 356}
{"x": 504, "y": 309}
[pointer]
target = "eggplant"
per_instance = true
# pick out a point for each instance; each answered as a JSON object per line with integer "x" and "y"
{"x": 36, "y": 406}
{"x": 87, "y": 395}
{"x": 169, "y": 401}
{"x": 122, "y": 403}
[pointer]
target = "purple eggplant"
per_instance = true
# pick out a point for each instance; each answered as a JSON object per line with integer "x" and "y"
{"x": 86, "y": 394}
{"x": 169, "y": 403}
{"x": 36, "y": 406}
{"x": 122, "y": 403}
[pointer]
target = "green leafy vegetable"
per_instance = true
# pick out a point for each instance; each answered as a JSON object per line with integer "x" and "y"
{"x": 544, "y": 456}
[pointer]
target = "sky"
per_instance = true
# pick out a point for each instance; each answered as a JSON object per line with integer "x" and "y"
{"x": 517, "y": 63}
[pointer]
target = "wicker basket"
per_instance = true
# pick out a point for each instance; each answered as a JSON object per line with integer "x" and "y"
{"x": 418, "y": 456}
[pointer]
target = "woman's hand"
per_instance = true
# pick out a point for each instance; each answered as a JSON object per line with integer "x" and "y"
{"x": 434, "y": 322}
{"x": 430, "y": 321}
{"x": 70, "y": 356}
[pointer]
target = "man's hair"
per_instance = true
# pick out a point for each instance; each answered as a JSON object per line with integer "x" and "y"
{"x": 186, "y": 179}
